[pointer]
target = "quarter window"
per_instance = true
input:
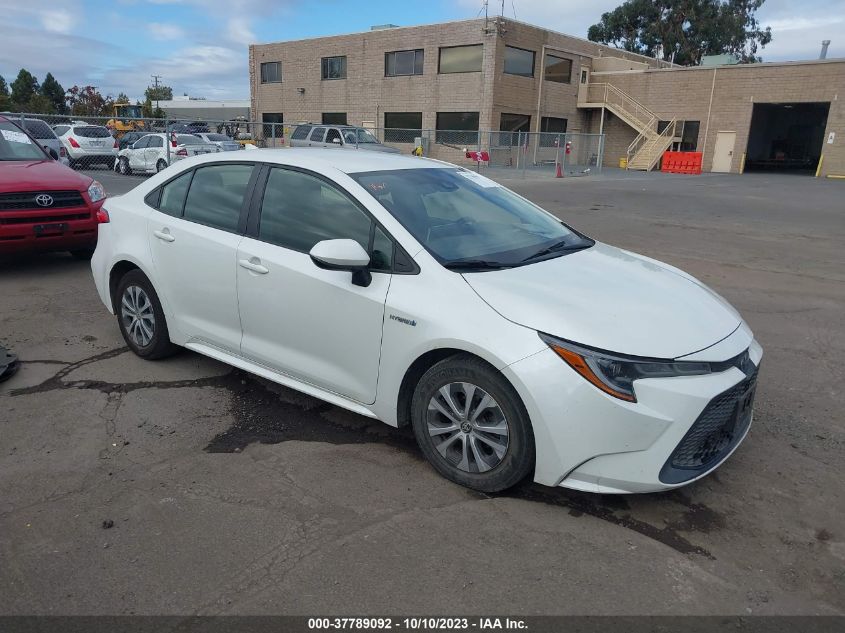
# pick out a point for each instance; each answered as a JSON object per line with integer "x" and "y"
{"x": 271, "y": 72}
{"x": 318, "y": 134}
{"x": 519, "y": 61}
{"x": 558, "y": 69}
{"x": 334, "y": 67}
{"x": 301, "y": 132}
{"x": 217, "y": 194}
{"x": 399, "y": 63}
{"x": 173, "y": 195}
{"x": 461, "y": 59}
{"x": 300, "y": 210}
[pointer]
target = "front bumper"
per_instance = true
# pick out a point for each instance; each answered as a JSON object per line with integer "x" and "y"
{"x": 67, "y": 228}
{"x": 588, "y": 440}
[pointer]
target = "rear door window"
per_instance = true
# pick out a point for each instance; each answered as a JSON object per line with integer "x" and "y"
{"x": 173, "y": 195}
{"x": 217, "y": 194}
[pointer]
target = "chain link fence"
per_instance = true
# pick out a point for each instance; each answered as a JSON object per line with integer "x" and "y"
{"x": 119, "y": 143}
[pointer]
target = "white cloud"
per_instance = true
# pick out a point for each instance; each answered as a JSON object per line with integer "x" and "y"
{"x": 163, "y": 31}
{"x": 57, "y": 20}
{"x": 239, "y": 31}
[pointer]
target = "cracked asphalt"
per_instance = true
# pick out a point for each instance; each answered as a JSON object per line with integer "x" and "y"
{"x": 186, "y": 487}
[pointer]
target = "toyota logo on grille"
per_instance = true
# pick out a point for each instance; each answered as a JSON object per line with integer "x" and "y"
{"x": 43, "y": 200}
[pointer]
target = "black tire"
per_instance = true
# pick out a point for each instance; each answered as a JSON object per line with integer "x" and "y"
{"x": 518, "y": 460}
{"x": 82, "y": 253}
{"x": 159, "y": 345}
{"x": 123, "y": 166}
{"x": 161, "y": 164}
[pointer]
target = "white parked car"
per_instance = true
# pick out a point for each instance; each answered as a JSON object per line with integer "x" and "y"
{"x": 418, "y": 292}
{"x": 225, "y": 143}
{"x": 151, "y": 154}
{"x": 86, "y": 144}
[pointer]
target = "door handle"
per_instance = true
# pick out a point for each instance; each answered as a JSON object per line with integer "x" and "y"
{"x": 254, "y": 265}
{"x": 164, "y": 235}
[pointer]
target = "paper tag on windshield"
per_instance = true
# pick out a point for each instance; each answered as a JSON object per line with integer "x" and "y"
{"x": 16, "y": 137}
{"x": 477, "y": 178}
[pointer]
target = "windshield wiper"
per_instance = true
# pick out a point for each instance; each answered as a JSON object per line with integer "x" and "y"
{"x": 475, "y": 264}
{"x": 563, "y": 245}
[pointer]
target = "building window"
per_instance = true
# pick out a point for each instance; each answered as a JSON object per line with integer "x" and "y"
{"x": 402, "y": 127}
{"x": 519, "y": 61}
{"x": 334, "y": 118}
{"x": 553, "y": 125}
{"x": 457, "y": 128}
{"x": 400, "y": 63}
{"x": 334, "y": 67}
{"x": 558, "y": 69}
{"x": 271, "y": 72}
{"x": 272, "y": 117}
{"x": 687, "y": 131}
{"x": 460, "y": 59}
{"x": 510, "y": 125}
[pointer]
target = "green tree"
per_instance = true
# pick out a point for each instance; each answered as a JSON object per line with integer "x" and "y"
{"x": 122, "y": 98}
{"x": 24, "y": 88}
{"x": 162, "y": 93}
{"x": 5, "y": 101}
{"x": 683, "y": 31}
{"x": 52, "y": 90}
{"x": 147, "y": 108}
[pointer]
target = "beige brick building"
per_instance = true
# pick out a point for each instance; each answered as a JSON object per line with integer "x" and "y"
{"x": 501, "y": 74}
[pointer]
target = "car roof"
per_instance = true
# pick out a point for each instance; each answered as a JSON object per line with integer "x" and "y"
{"x": 346, "y": 161}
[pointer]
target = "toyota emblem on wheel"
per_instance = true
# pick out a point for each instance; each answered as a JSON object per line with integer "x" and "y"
{"x": 44, "y": 200}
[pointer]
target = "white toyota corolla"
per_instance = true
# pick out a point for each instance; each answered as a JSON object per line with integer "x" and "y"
{"x": 418, "y": 292}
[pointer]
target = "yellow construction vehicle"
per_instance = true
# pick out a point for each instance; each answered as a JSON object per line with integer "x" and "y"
{"x": 126, "y": 118}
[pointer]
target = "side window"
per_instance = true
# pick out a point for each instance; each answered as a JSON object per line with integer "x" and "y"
{"x": 317, "y": 134}
{"x": 301, "y": 132}
{"x": 155, "y": 141}
{"x": 173, "y": 195}
{"x": 382, "y": 257}
{"x": 141, "y": 143}
{"x": 217, "y": 194}
{"x": 300, "y": 210}
{"x": 333, "y": 135}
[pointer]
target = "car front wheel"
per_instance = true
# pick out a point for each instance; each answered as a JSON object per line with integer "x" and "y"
{"x": 141, "y": 318}
{"x": 471, "y": 425}
{"x": 124, "y": 166}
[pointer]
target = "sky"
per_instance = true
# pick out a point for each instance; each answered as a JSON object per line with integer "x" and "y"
{"x": 199, "y": 47}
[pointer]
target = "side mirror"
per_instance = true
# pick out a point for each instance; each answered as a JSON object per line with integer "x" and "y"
{"x": 336, "y": 140}
{"x": 343, "y": 255}
{"x": 53, "y": 153}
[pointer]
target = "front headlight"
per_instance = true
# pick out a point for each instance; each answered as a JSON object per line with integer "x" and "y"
{"x": 615, "y": 374}
{"x": 96, "y": 191}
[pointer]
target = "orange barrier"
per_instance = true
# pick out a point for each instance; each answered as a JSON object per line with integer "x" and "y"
{"x": 681, "y": 163}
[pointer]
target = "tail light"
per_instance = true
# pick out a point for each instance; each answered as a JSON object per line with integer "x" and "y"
{"x": 115, "y": 143}
{"x": 102, "y": 216}
{"x": 73, "y": 142}
{"x": 182, "y": 152}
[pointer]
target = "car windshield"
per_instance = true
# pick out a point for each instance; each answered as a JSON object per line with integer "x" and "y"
{"x": 188, "y": 139}
{"x": 15, "y": 145}
{"x": 467, "y": 221}
{"x": 38, "y": 129}
{"x": 92, "y": 131}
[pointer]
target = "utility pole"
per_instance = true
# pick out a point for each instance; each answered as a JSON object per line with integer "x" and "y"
{"x": 155, "y": 85}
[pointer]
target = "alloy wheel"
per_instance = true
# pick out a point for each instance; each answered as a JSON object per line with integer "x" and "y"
{"x": 136, "y": 312}
{"x": 467, "y": 427}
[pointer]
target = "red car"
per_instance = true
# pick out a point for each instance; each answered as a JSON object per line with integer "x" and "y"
{"x": 44, "y": 206}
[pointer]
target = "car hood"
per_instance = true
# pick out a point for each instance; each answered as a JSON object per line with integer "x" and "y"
{"x": 378, "y": 147}
{"x": 610, "y": 299}
{"x": 40, "y": 175}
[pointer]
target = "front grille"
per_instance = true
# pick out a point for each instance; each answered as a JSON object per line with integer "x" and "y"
{"x": 714, "y": 434}
{"x": 42, "y": 219}
{"x": 26, "y": 200}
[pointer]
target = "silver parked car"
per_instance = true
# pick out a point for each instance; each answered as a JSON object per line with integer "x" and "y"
{"x": 341, "y": 136}
{"x": 225, "y": 143}
{"x": 45, "y": 136}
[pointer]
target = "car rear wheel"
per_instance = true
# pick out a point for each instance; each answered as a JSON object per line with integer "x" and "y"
{"x": 141, "y": 318}
{"x": 471, "y": 425}
{"x": 123, "y": 166}
{"x": 161, "y": 164}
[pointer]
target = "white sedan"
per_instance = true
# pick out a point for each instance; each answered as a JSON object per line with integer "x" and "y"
{"x": 421, "y": 293}
{"x": 151, "y": 154}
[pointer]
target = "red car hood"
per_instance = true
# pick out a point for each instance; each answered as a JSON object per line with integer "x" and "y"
{"x": 40, "y": 175}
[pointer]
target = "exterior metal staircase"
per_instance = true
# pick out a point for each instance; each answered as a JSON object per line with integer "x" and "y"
{"x": 647, "y": 148}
